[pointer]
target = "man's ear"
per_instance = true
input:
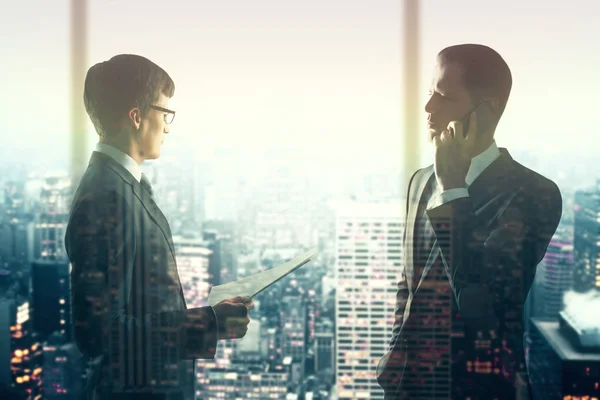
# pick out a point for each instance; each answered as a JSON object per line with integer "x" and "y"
{"x": 135, "y": 117}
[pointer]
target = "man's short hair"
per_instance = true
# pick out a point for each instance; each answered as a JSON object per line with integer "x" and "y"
{"x": 484, "y": 71}
{"x": 115, "y": 86}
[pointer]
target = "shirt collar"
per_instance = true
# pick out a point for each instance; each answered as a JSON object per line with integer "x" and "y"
{"x": 481, "y": 161}
{"x": 122, "y": 158}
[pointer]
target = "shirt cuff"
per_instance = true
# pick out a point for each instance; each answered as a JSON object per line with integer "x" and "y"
{"x": 447, "y": 196}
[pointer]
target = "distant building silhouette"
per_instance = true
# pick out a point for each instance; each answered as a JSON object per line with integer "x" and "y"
{"x": 559, "y": 368}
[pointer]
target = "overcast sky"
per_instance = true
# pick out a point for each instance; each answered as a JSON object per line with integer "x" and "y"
{"x": 324, "y": 76}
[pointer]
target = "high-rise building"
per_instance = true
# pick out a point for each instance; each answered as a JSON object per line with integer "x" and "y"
{"x": 225, "y": 232}
{"x": 51, "y": 226}
{"x": 324, "y": 347}
{"x": 559, "y": 369}
{"x": 62, "y": 369}
{"x": 20, "y": 351}
{"x": 17, "y": 235}
{"x": 14, "y": 198}
{"x": 556, "y": 271}
{"x": 245, "y": 382}
{"x": 586, "y": 239}
{"x": 193, "y": 258}
{"x": 51, "y": 298}
{"x": 292, "y": 330}
{"x": 369, "y": 260}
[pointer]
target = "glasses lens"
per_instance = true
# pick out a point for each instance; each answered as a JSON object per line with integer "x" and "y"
{"x": 169, "y": 118}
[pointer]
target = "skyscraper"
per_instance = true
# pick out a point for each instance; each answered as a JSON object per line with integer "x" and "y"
{"x": 62, "y": 369}
{"x": 324, "y": 346}
{"x": 559, "y": 370}
{"x": 52, "y": 223}
{"x": 292, "y": 329}
{"x": 368, "y": 249}
{"x": 20, "y": 352}
{"x": 193, "y": 257}
{"x": 51, "y": 298}
{"x": 586, "y": 239}
{"x": 556, "y": 271}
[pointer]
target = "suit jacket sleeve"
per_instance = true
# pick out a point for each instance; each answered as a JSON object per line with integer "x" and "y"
{"x": 101, "y": 245}
{"x": 515, "y": 243}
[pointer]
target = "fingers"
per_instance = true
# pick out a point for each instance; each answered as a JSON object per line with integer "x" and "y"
{"x": 236, "y": 327}
{"x": 446, "y": 136}
{"x": 239, "y": 299}
{"x": 455, "y": 129}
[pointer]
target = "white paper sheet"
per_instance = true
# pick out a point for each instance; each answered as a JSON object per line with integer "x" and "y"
{"x": 254, "y": 284}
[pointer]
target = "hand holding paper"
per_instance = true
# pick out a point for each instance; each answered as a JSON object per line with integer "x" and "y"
{"x": 252, "y": 285}
{"x": 232, "y": 317}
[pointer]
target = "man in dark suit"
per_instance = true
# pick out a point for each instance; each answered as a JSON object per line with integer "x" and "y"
{"x": 477, "y": 225}
{"x": 129, "y": 312}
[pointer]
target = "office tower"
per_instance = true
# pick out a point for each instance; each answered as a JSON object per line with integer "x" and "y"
{"x": 55, "y": 201}
{"x": 292, "y": 330}
{"x": 14, "y": 199}
{"x": 246, "y": 382}
{"x": 51, "y": 298}
{"x": 324, "y": 346}
{"x": 20, "y": 352}
{"x": 586, "y": 239}
{"x": 226, "y": 233}
{"x": 62, "y": 372}
{"x": 559, "y": 368}
{"x": 193, "y": 257}
{"x": 368, "y": 249}
{"x": 213, "y": 242}
{"x": 270, "y": 348}
{"x": 555, "y": 275}
{"x": 20, "y": 246}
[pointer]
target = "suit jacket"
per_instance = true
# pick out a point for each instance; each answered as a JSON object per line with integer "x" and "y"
{"x": 129, "y": 312}
{"x": 488, "y": 245}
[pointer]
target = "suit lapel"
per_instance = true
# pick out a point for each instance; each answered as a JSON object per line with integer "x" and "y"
{"x": 410, "y": 242}
{"x": 490, "y": 188}
{"x": 153, "y": 211}
{"x": 487, "y": 194}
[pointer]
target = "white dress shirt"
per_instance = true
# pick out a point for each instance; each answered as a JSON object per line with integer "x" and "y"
{"x": 478, "y": 164}
{"x": 122, "y": 158}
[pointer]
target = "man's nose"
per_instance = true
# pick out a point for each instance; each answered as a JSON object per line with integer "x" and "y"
{"x": 429, "y": 105}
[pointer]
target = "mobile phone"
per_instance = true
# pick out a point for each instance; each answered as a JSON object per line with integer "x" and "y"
{"x": 483, "y": 118}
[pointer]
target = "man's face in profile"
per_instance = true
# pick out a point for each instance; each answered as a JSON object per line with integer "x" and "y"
{"x": 153, "y": 129}
{"x": 448, "y": 99}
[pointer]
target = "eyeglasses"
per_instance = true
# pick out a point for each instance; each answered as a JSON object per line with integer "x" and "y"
{"x": 169, "y": 116}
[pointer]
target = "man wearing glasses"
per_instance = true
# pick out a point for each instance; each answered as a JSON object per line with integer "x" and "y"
{"x": 129, "y": 313}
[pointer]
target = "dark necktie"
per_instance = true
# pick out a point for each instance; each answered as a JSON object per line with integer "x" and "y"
{"x": 146, "y": 184}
